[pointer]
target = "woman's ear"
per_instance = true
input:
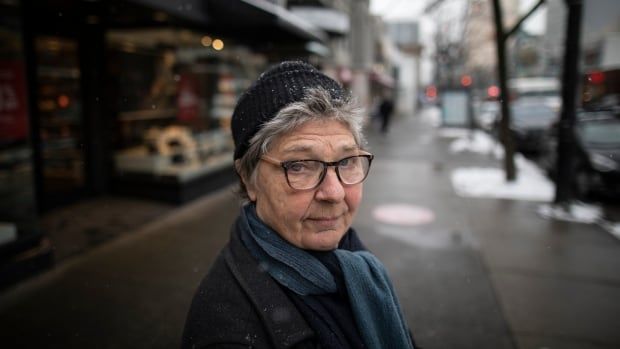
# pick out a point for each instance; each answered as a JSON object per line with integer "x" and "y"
{"x": 247, "y": 183}
{"x": 250, "y": 189}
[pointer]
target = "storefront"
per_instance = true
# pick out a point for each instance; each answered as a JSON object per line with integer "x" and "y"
{"x": 135, "y": 97}
{"x": 171, "y": 137}
{"x": 23, "y": 247}
{"x": 125, "y": 96}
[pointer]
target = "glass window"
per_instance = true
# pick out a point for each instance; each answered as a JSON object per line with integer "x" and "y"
{"x": 17, "y": 198}
{"x": 173, "y": 94}
{"x": 603, "y": 133}
{"x": 60, "y": 117}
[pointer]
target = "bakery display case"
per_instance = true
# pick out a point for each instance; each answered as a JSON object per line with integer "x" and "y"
{"x": 173, "y": 111}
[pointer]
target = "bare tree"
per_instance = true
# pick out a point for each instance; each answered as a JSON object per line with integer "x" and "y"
{"x": 502, "y": 36}
{"x": 565, "y": 165}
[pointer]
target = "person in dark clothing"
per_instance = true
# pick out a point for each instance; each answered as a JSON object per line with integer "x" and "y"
{"x": 386, "y": 108}
{"x": 294, "y": 273}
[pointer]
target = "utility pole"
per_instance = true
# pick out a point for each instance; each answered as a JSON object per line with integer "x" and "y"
{"x": 566, "y": 138}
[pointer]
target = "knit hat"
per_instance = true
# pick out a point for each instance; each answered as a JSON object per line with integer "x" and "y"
{"x": 276, "y": 88}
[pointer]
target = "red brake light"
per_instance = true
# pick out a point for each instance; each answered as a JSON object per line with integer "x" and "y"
{"x": 596, "y": 77}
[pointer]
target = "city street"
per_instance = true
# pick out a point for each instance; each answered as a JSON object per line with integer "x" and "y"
{"x": 470, "y": 272}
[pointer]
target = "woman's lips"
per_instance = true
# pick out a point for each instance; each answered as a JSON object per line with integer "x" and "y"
{"x": 324, "y": 223}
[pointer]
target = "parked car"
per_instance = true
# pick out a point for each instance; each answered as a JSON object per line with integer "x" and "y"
{"x": 530, "y": 123}
{"x": 597, "y": 153}
{"x": 544, "y": 89}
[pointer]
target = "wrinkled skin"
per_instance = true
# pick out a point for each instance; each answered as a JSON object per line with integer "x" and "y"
{"x": 315, "y": 219}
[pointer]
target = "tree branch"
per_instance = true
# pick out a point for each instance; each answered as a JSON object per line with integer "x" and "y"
{"x": 516, "y": 26}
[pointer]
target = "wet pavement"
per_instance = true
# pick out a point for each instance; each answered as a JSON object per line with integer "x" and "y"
{"x": 470, "y": 272}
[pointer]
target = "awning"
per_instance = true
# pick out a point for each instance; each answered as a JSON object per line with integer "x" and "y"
{"x": 192, "y": 10}
{"x": 260, "y": 19}
{"x": 334, "y": 22}
{"x": 249, "y": 20}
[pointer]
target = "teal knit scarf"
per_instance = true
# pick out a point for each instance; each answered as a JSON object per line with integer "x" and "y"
{"x": 376, "y": 309}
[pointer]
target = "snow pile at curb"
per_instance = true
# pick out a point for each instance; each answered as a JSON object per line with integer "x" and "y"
{"x": 477, "y": 142}
{"x": 579, "y": 212}
{"x": 531, "y": 184}
{"x": 491, "y": 183}
{"x": 611, "y": 227}
{"x": 574, "y": 212}
{"x": 453, "y": 132}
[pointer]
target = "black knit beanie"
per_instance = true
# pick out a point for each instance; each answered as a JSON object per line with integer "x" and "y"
{"x": 277, "y": 87}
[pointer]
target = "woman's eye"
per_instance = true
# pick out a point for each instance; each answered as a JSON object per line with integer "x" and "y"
{"x": 297, "y": 167}
{"x": 345, "y": 162}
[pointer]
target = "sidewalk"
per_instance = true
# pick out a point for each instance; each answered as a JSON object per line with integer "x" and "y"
{"x": 556, "y": 284}
{"x": 470, "y": 273}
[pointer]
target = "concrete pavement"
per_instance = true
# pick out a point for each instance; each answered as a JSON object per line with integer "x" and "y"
{"x": 507, "y": 278}
{"x": 480, "y": 273}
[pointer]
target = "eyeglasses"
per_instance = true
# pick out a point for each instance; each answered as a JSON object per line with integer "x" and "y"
{"x": 308, "y": 174}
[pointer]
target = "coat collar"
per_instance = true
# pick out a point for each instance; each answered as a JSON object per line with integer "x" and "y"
{"x": 283, "y": 322}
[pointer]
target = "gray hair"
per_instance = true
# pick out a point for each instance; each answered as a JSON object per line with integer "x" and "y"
{"x": 317, "y": 104}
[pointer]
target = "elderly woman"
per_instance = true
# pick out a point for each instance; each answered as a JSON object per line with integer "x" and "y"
{"x": 295, "y": 274}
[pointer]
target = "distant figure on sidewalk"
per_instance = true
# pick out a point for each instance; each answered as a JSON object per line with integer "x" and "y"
{"x": 294, "y": 273}
{"x": 386, "y": 108}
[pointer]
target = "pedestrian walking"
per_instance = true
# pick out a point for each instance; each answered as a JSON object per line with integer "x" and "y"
{"x": 386, "y": 108}
{"x": 294, "y": 273}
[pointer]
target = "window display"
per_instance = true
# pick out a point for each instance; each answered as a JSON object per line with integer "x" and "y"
{"x": 174, "y": 100}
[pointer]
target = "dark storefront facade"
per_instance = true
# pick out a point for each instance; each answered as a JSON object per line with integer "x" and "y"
{"x": 124, "y": 97}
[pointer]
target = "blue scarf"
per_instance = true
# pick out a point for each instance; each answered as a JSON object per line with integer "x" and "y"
{"x": 372, "y": 298}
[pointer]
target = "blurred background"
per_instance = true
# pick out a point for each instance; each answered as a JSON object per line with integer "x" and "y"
{"x": 114, "y": 114}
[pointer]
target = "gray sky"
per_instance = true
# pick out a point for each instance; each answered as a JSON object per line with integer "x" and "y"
{"x": 413, "y": 9}
{"x": 397, "y": 9}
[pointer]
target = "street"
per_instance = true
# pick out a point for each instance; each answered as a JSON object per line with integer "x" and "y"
{"x": 470, "y": 272}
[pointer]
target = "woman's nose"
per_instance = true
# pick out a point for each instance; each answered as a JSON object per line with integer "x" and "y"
{"x": 330, "y": 189}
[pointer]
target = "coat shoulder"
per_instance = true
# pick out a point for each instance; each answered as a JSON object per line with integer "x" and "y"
{"x": 221, "y": 313}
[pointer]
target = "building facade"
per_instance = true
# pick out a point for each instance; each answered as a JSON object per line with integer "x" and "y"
{"x": 125, "y": 97}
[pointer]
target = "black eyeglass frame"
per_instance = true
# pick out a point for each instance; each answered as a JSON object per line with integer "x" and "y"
{"x": 286, "y": 164}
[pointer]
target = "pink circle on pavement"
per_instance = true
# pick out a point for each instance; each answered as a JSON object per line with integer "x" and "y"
{"x": 403, "y": 214}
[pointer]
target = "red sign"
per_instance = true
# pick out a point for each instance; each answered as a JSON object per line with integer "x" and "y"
{"x": 13, "y": 108}
{"x": 188, "y": 100}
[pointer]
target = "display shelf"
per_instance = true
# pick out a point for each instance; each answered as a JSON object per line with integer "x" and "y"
{"x": 145, "y": 115}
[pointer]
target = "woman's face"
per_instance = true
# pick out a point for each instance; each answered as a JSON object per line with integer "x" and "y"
{"x": 313, "y": 219}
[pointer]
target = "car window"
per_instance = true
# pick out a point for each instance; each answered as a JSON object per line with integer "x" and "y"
{"x": 533, "y": 112}
{"x": 600, "y": 132}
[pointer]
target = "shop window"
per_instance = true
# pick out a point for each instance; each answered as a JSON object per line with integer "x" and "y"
{"x": 173, "y": 94}
{"x": 18, "y": 215}
{"x": 60, "y": 118}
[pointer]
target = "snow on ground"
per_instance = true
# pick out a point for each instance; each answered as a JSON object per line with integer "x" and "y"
{"x": 491, "y": 183}
{"x": 612, "y": 227}
{"x": 531, "y": 184}
{"x": 476, "y": 142}
{"x": 574, "y": 212}
{"x": 453, "y": 132}
{"x": 580, "y": 212}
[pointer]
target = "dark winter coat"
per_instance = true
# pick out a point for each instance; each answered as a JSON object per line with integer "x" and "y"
{"x": 238, "y": 305}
